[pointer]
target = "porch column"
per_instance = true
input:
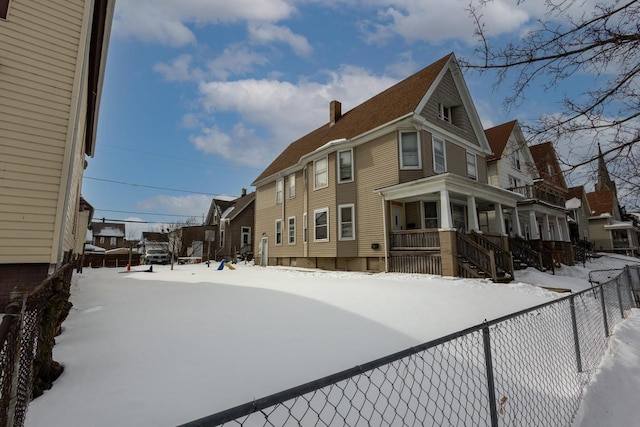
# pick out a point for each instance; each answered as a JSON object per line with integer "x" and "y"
{"x": 445, "y": 211}
{"x": 533, "y": 225}
{"x": 560, "y": 230}
{"x": 472, "y": 214}
{"x": 516, "y": 222}
{"x": 499, "y": 219}
{"x": 546, "y": 234}
{"x": 565, "y": 230}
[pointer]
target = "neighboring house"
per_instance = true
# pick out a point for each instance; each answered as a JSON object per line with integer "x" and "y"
{"x": 611, "y": 231}
{"x": 85, "y": 215}
{"x": 153, "y": 240}
{"x": 194, "y": 241}
{"x": 108, "y": 235}
{"x": 233, "y": 222}
{"x": 579, "y": 210}
{"x": 387, "y": 186}
{"x": 533, "y": 172}
{"x": 52, "y": 59}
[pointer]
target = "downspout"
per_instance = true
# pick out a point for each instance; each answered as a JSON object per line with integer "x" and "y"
{"x": 384, "y": 230}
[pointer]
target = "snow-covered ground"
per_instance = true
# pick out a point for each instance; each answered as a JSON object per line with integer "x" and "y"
{"x": 164, "y": 348}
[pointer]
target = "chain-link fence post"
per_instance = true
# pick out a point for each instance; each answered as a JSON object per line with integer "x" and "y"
{"x": 618, "y": 284}
{"x": 632, "y": 285}
{"x": 576, "y": 339}
{"x": 604, "y": 312}
{"x": 17, "y": 307}
{"x": 493, "y": 409}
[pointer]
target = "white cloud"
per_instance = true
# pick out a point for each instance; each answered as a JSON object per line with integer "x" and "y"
{"x": 235, "y": 60}
{"x": 267, "y": 33}
{"x": 178, "y": 70}
{"x": 282, "y": 111}
{"x": 165, "y": 21}
{"x": 195, "y": 205}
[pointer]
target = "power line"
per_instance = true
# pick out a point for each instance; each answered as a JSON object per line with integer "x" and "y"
{"x": 145, "y": 213}
{"x": 155, "y": 188}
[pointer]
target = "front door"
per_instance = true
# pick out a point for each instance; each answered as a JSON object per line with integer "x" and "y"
{"x": 397, "y": 217}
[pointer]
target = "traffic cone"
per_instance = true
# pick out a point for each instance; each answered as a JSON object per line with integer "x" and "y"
{"x": 128, "y": 267}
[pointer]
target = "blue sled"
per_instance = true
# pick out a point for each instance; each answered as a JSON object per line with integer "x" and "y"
{"x": 221, "y": 266}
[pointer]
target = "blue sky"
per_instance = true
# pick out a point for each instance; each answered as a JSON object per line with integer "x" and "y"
{"x": 200, "y": 96}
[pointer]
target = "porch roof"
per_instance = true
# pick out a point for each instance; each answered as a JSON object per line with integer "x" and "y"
{"x": 452, "y": 183}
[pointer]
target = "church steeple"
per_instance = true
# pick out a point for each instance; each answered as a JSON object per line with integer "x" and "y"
{"x": 604, "y": 180}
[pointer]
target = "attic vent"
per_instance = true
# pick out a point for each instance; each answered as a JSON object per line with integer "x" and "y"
{"x": 335, "y": 112}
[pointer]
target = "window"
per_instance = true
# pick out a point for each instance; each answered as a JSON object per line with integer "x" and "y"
{"x": 444, "y": 113}
{"x": 245, "y": 237}
{"x": 320, "y": 171}
{"x": 4, "y": 9}
{"x": 278, "y": 231}
{"x": 321, "y": 225}
{"x": 439, "y": 156}
{"x": 304, "y": 227}
{"x": 472, "y": 166}
{"x": 346, "y": 221}
{"x": 516, "y": 159}
{"x": 345, "y": 166}
{"x": 221, "y": 238}
{"x": 430, "y": 215}
{"x": 279, "y": 190}
{"x": 102, "y": 240}
{"x": 292, "y": 230}
{"x": 409, "y": 150}
{"x": 292, "y": 186}
{"x": 113, "y": 241}
{"x": 513, "y": 182}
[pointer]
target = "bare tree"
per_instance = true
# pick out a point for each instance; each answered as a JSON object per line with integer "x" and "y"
{"x": 573, "y": 39}
{"x": 174, "y": 235}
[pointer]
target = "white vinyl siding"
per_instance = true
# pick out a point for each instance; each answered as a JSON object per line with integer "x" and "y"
{"x": 410, "y": 157}
{"x": 346, "y": 222}
{"x": 321, "y": 225}
{"x": 320, "y": 173}
{"x": 345, "y": 166}
{"x": 439, "y": 155}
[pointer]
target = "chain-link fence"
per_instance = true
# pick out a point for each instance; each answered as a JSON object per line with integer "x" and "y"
{"x": 27, "y": 334}
{"x": 525, "y": 369}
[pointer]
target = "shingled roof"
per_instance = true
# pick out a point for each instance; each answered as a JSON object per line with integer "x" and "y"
{"x": 601, "y": 202}
{"x": 498, "y": 136}
{"x": 393, "y": 103}
{"x": 544, "y": 154}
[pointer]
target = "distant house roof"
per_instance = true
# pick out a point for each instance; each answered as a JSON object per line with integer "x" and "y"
{"x": 240, "y": 204}
{"x": 229, "y": 209}
{"x": 108, "y": 229}
{"x": 544, "y": 155}
{"x": 601, "y": 202}
{"x": 498, "y": 136}
{"x": 154, "y": 236}
{"x": 576, "y": 197}
{"x": 395, "y": 102}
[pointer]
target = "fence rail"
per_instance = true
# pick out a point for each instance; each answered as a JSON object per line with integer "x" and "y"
{"x": 527, "y": 369}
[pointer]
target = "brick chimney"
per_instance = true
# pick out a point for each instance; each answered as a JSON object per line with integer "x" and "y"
{"x": 244, "y": 192}
{"x": 335, "y": 112}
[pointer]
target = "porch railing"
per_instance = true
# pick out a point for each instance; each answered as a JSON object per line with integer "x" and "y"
{"x": 503, "y": 258}
{"x": 535, "y": 192}
{"x": 482, "y": 260}
{"x": 534, "y": 258}
{"x": 411, "y": 240}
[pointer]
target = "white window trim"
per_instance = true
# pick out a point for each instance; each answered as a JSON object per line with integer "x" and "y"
{"x": 315, "y": 173}
{"x": 101, "y": 239}
{"x": 353, "y": 221}
{"x": 516, "y": 159}
{"x": 441, "y": 115}
{"x": 314, "y": 224}
{"x": 289, "y": 230}
{"x": 292, "y": 179}
{"x": 113, "y": 241}
{"x": 275, "y": 229}
{"x": 424, "y": 213}
{"x": 305, "y": 228}
{"x": 340, "y": 180}
{"x": 279, "y": 190}
{"x": 222, "y": 238}
{"x": 475, "y": 165}
{"x": 444, "y": 151}
{"x": 245, "y": 230}
{"x": 402, "y": 166}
